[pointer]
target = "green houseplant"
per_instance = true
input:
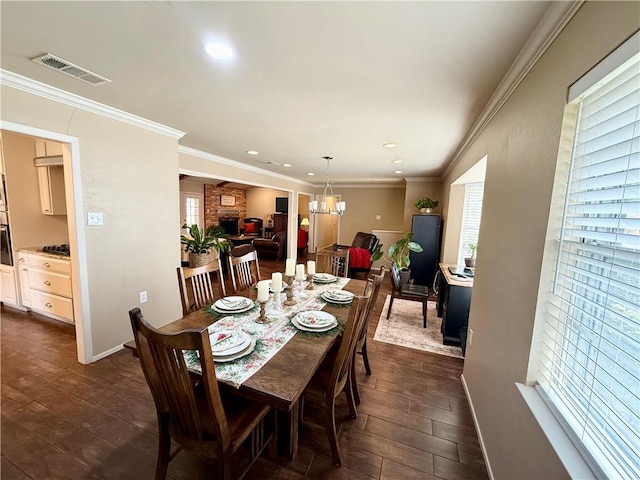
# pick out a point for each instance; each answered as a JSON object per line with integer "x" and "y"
{"x": 200, "y": 243}
{"x": 426, "y": 204}
{"x": 470, "y": 262}
{"x": 399, "y": 254}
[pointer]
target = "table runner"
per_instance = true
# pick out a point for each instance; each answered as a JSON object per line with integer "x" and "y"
{"x": 270, "y": 337}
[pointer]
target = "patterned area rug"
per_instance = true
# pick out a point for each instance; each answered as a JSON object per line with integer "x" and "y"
{"x": 404, "y": 328}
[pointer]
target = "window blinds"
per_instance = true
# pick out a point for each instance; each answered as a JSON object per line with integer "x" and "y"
{"x": 590, "y": 361}
{"x": 471, "y": 213}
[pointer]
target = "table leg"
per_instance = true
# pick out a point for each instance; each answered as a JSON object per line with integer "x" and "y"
{"x": 288, "y": 431}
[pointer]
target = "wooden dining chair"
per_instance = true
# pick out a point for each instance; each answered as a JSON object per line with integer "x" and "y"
{"x": 193, "y": 414}
{"x": 243, "y": 267}
{"x": 415, "y": 293}
{"x": 361, "y": 342}
{"x": 335, "y": 262}
{"x": 196, "y": 286}
{"x": 333, "y": 375}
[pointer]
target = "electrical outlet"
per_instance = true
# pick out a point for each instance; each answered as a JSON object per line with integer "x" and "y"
{"x": 378, "y": 217}
{"x": 143, "y": 297}
{"x": 470, "y": 337}
{"x": 95, "y": 218}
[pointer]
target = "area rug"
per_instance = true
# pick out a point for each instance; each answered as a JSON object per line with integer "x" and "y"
{"x": 404, "y": 328}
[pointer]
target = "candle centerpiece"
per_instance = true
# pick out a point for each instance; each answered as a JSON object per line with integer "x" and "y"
{"x": 289, "y": 281}
{"x": 311, "y": 271}
{"x": 263, "y": 298}
{"x": 276, "y": 288}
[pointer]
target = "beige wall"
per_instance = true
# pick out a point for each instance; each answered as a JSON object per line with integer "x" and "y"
{"x": 452, "y": 224}
{"x": 29, "y": 227}
{"x": 363, "y": 204}
{"x": 131, "y": 175}
{"x": 522, "y": 144}
{"x": 415, "y": 190}
{"x": 261, "y": 202}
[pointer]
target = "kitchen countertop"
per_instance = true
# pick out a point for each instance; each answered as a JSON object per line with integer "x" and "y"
{"x": 39, "y": 251}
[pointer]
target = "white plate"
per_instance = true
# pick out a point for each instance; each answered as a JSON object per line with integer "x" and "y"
{"x": 221, "y": 308}
{"x": 233, "y": 303}
{"x": 315, "y": 319}
{"x": 307, "y": 329}
{"x": 324, "y": 278}
{"x": 337, "y": 296}
{"x": 230, "y": 358}
{"x": 234, "y": 341}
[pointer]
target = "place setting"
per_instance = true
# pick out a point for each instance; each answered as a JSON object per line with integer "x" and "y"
{"x": 315, "y": 321}
{"x": 230, "y": 345}
{"x": 232, "y": 305}
{"x": 323, "y": 278}
{"x": 337, "y": 297}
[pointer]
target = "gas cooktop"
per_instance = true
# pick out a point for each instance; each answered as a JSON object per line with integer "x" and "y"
{"x": 62, "y": 249}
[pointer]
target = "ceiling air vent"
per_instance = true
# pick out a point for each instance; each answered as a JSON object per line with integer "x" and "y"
{"x": 70, "y": 69}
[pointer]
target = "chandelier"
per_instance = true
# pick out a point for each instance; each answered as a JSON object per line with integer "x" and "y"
{"x": 327, "y": 205}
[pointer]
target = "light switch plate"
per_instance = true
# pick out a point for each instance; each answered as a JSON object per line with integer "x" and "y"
{"x": 95, "y": 218}
{"x": 378, "y": 217}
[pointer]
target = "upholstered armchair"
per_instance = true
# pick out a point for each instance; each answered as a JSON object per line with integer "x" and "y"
{"x": 272, "y": 248}
{"x": 360, "y": 250}
{"x": 253, "y": 227}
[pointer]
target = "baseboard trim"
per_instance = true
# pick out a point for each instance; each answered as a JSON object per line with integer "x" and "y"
{"x": 478, "y": 432}
{"x": 106, "y": 353}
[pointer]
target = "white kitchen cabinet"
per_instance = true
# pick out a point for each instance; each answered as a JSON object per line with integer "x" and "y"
{"x": 8, "y": 291}
{"x": 23, "y": 278}
{"x": 47, "y": 148}
{"x": 52, "y": 194}
{"x": 48, "y": 280}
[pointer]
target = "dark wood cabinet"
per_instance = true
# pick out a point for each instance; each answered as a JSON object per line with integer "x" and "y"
{"x": 454, "y": 301}
{"x": 279, "y": 222}
{"x": 427, "y": 232}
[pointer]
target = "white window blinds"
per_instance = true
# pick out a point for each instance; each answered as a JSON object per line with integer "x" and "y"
{"x": 471, "y": 213}
{"x": 590, "y": 362}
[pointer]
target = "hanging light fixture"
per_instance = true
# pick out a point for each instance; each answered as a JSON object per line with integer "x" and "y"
{"x": 326, "y": 203}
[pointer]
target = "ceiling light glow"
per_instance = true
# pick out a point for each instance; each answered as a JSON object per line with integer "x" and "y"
{"x": 219, "y": 51}
{"x": 286, "y": 165}
{"x": 390, "y": 145}
{"x": 311, "y": 174}
{"x": 396, "y": 161}
{"x": 252, "y": 152}
{"x": 397, "y": 171}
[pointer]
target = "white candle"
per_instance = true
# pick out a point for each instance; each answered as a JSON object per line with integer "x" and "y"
{"x": 276, "y": 281}
{"x": 311, "y": 267}
{"x": 300, "y": 271}
{"x": 263, "y": 290}
{"x": 290, "y": 268}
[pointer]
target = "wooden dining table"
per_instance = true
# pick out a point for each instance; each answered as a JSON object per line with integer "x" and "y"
{"x": 281, "y": 381}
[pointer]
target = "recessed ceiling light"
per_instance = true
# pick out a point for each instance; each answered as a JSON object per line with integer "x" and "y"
{"x": 390, "y": 145}
{"x": 311, "y": 174}
{"x": 219, "y": 51}
{"x": 396, "y": 161}
{"x": 252, "y": 152}
{"x": 397, "y": 171}
{"x": 286, "y": 165}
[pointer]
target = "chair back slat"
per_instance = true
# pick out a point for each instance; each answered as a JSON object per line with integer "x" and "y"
{"x": 375, "y": 291}
{"x": 335, "y": 262}
{"x": 244, "y": 267}
{"x": 194, "y": 408}
{"x": 196, "y": 286}
{"x": 340, "y": 372}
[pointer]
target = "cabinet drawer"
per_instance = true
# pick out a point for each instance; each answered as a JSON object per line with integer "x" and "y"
{"x": 50, "y": 282}
{"x": 52, "y": 304}
{"x": 49, "y": 263}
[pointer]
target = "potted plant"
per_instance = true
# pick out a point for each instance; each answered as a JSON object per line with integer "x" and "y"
{"x": 470, "y": 262}
{"x": 200, "y": 243}
{"x": 399, "y": 254}
{"x": 426, "y": 205}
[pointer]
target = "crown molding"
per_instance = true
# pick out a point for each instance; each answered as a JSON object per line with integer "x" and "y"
{"x": 555, "y": 18}
{"x": 40, "y": 89}
{"x": 422, "y": 179}
{"x": 243, "y": 166}
{"x": 369, "y": 185}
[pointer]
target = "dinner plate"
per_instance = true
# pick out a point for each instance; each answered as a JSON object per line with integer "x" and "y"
{"x": 315, "y": 319}
{"x": 308, "y": 329}
{"x": 233, "y": 305}
{"x": 231, "y": 357}
{"x": 324, "y": 278}
{"x": 337, "y": 296}
{"x": 232, "y": 342}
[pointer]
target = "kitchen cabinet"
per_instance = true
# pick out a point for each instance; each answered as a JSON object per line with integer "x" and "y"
{"x": 52, "y": 194}
{"x": 8, "y": 291}
{"x": 49, "y": 285}
{"x": 47, "y": 148}
{"x": 23, "y": 278}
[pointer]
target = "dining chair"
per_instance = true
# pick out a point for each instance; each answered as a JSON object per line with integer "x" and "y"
{"x": 243, "y": 267}
{"x": 332, "y": 261}
{"x": 196, "y": 287}
{"x": 194, "y": 414}
{"x": 415, "y": 293}
{"x": 361, "y": 342}
{"x": 333, "y": 375}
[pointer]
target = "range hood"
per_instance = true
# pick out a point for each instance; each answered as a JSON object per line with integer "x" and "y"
{"x": 51, "y": 161}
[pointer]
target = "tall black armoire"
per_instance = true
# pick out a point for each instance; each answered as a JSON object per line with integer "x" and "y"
{"x": 427, "y": 232}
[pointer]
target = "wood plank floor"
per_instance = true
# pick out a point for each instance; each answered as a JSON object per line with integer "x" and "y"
{"x": 64, "y": 420}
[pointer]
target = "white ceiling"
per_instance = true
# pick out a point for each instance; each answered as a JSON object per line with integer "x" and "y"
{"x": 310, "y": 78}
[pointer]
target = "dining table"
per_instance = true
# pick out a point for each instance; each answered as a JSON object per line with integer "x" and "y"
{"x": 281, "y": 381}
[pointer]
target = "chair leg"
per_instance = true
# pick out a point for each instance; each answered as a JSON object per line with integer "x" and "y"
{"x": 348, "y": 390}
{"x": 390, "y": 305}
{"x": 365, "y": 357}
{"x": 164, "y": 449}
{"x": 332, "y": 434}
{"x": 424, "y": 314}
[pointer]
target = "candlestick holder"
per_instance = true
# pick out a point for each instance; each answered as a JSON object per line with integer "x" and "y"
{"x": 312, "y": 285}
{"x": 263, "y": 313}
{"x": 277, "y": 303}
{"x": 289, "y": 280}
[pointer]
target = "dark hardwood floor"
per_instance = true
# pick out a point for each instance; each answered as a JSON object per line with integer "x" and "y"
{"x": 64, "y": 420}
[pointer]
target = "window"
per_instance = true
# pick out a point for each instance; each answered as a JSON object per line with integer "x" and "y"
{"x": 191, "y": 209}
{"x": 471, "y": 212}
{"x": 588, "y": 366}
